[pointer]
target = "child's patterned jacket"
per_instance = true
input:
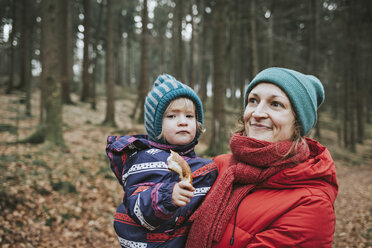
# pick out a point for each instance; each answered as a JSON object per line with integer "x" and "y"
{"x": 147, "y": 216}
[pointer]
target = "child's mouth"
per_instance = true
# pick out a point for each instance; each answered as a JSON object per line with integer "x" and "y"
{"x": 182, "y": 132}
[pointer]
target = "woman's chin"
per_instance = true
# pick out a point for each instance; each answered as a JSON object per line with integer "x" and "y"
{"x": 265, "y": 136}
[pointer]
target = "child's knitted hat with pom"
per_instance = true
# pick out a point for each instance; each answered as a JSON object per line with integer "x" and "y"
{"x": 165, "y": 89}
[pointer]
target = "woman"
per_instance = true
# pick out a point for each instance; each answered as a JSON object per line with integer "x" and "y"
{"x": 277, "y": 188}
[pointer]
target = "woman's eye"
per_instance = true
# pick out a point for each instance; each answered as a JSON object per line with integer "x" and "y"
{"x": 277, "y": 104}
{"x": 252, "y": 100}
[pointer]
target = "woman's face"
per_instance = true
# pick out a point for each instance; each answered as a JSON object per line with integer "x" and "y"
{"x": 269, "y": 115}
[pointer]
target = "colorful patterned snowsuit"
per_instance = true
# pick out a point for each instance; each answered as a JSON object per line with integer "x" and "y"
{"x": 147, "y": 217}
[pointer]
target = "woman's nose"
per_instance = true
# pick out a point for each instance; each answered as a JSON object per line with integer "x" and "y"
{"x": 260, "y": 111}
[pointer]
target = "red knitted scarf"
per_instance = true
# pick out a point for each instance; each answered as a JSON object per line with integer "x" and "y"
{"x": 252, "y": 163}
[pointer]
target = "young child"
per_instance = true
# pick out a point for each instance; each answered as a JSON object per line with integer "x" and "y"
{"x": 156, "y": 204}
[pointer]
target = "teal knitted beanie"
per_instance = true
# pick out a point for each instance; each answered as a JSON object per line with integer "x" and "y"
{"x": 165, "y": 89}
{"x": 305, "y": 92}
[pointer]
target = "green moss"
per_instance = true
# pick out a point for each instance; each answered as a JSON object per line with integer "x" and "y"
{"x": 63, "y": 187}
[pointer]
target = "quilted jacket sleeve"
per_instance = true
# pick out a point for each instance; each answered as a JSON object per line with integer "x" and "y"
{"x": 311, "y": 224}
{"x": 148, "y": 189}
{"x": 119, "y": 148}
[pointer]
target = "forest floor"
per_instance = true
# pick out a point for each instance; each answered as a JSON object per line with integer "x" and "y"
{"x": 67, "y": 197}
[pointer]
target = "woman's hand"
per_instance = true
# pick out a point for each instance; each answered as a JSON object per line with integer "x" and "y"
{"x": 182, "y": 193}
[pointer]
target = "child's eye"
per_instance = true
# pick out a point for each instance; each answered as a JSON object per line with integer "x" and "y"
{"x": 190, "y": 116}
{"x": 170, "y": 116}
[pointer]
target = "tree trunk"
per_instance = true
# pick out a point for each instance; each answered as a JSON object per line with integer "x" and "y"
{"x": 270, "y": 36}
{"x": 67, "y": 52}
{"x": 203, "y": 53}
{"x": 25, "y": 46}
{"x": 42, "y": 81}
{"x": 95, "y": 60}
{"x": 242, "y": 48}
{"x": 192, "y": 45}
{"x": 230, "y": 52}
{"x": 143, "y": 76}
{"x": 22, "y": 45}
{"x": 27, "y": 51}
{"x": 218, "y": 143}
{"x": 86, "y": 77}
{"x": 25, "y": 54}
{"x": 163, "y": 54}
{"x": 51, "y": 129}
{"x": 346, "y": 113}
{"x": 144, "y": 61}
{"x": 11, "y": 41}
{"x": 353, "y": 70}
{"x": 359, "y": 105}
{"x": 120, "y": 64}
{"x": 117, "y": 47}
{"x": 110, "y": 85}
{"x": 254, "y": 49}
{"x": 314, "y": 50}
{"x": 349, "y": 81}
{"x": 313, "y": 34}
{"x": 129, "y": 61}
{"x": 346, "y": 83}
{"x": 360, "y": 85}
{"x": 178, "y": 42}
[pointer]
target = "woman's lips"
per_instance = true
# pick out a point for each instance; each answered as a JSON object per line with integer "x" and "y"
{"x": 261, "y": 126}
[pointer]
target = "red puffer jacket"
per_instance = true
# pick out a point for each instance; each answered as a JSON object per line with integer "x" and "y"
{"x": 294, "y": 208}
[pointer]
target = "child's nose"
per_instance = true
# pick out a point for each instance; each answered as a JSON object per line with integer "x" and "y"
{"x": 182, "y": 120}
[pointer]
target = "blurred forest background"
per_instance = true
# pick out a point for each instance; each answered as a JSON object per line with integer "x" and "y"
{"x": 74, "y": 71}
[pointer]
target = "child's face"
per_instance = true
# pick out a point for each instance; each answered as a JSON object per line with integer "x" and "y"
{"x": 179, "y": 122}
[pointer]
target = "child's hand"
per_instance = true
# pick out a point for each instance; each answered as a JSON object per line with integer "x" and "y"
{"x": 182, "y": 193}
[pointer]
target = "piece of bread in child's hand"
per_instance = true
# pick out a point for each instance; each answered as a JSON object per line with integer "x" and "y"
{"x": 177, "y": 164}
